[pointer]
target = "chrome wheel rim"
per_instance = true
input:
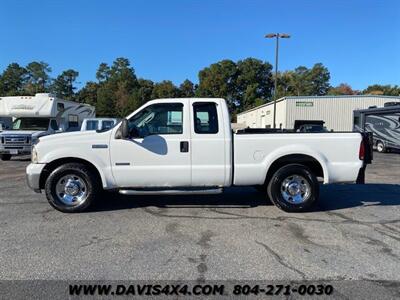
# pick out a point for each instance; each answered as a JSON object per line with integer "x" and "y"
{"x": 71, "y": 190}
{"x": 380, "y": 147}
{"x": 295, "y": 189}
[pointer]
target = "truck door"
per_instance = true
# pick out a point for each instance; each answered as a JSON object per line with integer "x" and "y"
{"x": 158, "y": 152}
{"x": 208, "y": 144}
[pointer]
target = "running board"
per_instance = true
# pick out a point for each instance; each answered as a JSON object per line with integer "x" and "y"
{"x": 172, "y": 192}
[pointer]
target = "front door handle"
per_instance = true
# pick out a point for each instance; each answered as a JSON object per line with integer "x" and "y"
{"x": 184, "y": 146}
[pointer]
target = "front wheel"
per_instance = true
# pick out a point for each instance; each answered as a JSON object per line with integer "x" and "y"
{"x": 71, "y": 187}
{"x": 5, "y": 156}
{"x": 293, "y": 188}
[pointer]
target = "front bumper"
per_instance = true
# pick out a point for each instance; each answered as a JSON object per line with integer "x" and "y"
{"x": 16, "y": 150}
{"x": 33, "y": 172}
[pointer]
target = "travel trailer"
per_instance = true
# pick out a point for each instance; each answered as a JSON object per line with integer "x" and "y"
{"x": 36, "y": 116}
{"x": 383, "y": 122}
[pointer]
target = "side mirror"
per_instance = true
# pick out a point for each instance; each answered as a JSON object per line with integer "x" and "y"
{"x": 124, "y": 129}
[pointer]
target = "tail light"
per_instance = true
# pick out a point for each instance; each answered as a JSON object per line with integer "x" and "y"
{"x": 361, "y": 152}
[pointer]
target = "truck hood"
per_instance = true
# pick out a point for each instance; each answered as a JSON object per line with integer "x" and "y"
{"x": 23, "y": 132}
{"x": 75, "y": 135}
{"x": 70, "y": 143}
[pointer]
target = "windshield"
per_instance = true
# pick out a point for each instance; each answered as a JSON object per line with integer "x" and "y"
{"x": 39, "y": 124}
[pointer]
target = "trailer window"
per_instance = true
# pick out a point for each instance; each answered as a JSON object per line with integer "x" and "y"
{"x": 73, "y": 121}
{"x": 205, "y": 118}
{"x": 60, "y": 106}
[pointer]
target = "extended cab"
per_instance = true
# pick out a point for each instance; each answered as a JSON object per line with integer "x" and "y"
{"x": 181, "y": 146}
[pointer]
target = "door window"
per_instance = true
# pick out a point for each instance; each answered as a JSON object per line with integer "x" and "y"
{"x": 205, "y": 118}
{"x": 162, "y": 118}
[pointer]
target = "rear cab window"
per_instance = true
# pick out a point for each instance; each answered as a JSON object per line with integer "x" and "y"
{"x": 205, "y": 118}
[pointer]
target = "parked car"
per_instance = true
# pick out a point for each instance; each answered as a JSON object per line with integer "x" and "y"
{"x": 36, "y": 116}
{"x": 186, "y": 146}
{"x": 98, "y": 124}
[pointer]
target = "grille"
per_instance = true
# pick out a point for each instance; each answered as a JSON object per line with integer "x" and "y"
{"x": 17, "y": 140}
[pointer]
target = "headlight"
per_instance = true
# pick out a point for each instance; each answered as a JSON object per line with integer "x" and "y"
{"x": 34, "y": 156}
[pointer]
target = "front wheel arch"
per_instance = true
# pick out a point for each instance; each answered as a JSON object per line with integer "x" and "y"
{"x": 51, "y": 166}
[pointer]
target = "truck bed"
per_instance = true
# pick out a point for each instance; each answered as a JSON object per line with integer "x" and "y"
{"x": 256, "y": 149}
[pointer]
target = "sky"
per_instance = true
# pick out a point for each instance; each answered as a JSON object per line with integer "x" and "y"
{"x": 358, "y": 40}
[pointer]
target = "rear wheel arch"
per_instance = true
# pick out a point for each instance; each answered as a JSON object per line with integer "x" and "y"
{"x": 51, "y": 166}
{"x": 309, "y": 161}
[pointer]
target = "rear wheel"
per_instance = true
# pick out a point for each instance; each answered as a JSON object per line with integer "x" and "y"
{"x": 72, "y": 187}
{"x": 5, "y": 156}
{"x": 380, "y": 147}
{"x": 293, "y": 188}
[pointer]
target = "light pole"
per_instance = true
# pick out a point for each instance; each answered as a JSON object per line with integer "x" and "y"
{"x": 276, "y": 36}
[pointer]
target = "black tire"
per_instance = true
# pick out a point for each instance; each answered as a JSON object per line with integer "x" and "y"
{"x": 81, "y": 171}
{"x": 275, "y": 187}
{"x": 380, "y": 147}
{"x": 5, "y": 156}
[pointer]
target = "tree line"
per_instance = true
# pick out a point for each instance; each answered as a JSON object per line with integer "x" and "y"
{"x": 118, "y": 91}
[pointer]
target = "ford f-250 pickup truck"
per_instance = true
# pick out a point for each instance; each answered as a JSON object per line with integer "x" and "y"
{"x": 186, "y": 146}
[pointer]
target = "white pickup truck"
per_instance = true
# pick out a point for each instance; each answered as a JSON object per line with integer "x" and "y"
{"x": 186, "y": 146}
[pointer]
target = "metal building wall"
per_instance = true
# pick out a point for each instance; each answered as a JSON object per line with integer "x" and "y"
{"x": 336, "y": 111}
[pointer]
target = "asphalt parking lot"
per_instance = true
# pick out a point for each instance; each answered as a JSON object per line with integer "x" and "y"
{"x": 353, "y": 233}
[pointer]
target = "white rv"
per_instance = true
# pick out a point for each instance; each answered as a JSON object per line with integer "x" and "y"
{"x": 36, "y": 116}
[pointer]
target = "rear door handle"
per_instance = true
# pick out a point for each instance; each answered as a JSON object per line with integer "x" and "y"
{"x": 184, "y": 146}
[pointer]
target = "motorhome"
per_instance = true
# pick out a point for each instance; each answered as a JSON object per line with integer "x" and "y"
{"x": 36, "y": 116}
{"x": 383, "y": 122}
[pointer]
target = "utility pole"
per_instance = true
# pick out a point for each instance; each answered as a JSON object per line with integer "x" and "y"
{"x": 276, "y": 36}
